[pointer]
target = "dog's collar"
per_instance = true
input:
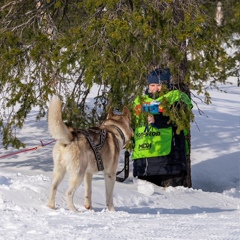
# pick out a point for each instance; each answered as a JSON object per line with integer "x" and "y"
{"x": 121, "y": 133}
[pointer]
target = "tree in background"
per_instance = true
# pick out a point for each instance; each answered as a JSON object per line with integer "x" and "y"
{"x": 67, "y": 47}
{"x": 229, "y": 26}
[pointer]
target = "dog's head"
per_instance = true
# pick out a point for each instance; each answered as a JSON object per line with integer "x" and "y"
{"x": 122, "y": 121}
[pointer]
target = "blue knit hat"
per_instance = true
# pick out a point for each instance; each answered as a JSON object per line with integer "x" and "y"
{"x": 159, "y": 76}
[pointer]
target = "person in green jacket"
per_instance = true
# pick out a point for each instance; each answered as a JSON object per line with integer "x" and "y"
{"x": 159, "y": 153}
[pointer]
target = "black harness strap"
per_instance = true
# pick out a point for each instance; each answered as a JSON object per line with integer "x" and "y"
{"x": 96, "y": 147}
{"x": 125, "y": 169}
{"x": 120, "y": 132}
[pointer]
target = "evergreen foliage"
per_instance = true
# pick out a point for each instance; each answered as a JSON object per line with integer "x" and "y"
{"x": 66, "y": 47}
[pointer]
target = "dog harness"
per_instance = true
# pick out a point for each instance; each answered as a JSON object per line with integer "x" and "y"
{"x": 96, "y": 147}
{"x": 121, "y": 133}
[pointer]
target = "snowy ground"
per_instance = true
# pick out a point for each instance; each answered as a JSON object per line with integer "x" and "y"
{"x": 209, "y": 210}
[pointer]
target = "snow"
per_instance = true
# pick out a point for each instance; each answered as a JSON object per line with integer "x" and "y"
{"x": 208, "y": 210}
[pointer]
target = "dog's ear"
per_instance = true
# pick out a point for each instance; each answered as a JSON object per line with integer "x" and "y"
{"x": 110, "y": 113}
{"x": 126, "y": 113}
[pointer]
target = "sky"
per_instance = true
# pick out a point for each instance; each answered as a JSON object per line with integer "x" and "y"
{"x": 208, "y": 210}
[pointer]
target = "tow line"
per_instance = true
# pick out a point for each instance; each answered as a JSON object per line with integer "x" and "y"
{"x": 28, "y": 149}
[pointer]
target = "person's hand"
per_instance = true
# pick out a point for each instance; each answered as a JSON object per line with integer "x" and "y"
{"x": 150, "y": 119}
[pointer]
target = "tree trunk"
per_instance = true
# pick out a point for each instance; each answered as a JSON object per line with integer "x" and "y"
{"x": 181, "y": 71}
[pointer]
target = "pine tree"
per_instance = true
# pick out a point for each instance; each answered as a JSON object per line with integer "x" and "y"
{"x": 67, "y": 47}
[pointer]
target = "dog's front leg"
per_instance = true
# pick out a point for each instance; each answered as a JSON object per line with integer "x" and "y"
{"x": 109, "y": 185}
{"x": 88, "y": 191}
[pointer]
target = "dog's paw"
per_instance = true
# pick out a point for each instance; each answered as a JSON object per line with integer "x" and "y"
{"x": 111, "y": 208}
{"x": 88, "y": 206}
{"x": 52, "y": 206}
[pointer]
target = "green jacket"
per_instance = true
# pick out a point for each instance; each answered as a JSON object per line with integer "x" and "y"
{"x": 151, "y": 141}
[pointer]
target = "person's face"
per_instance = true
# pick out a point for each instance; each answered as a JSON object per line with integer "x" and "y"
{"x": 153, "y": 87}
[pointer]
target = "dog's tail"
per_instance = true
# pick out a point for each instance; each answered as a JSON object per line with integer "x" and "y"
{"x": 56, "y": 126}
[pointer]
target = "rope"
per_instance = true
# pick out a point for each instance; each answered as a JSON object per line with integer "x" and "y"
{"x": 27, "y": 150}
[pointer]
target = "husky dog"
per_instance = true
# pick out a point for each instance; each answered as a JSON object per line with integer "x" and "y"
{"x": 76, "y": 152}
